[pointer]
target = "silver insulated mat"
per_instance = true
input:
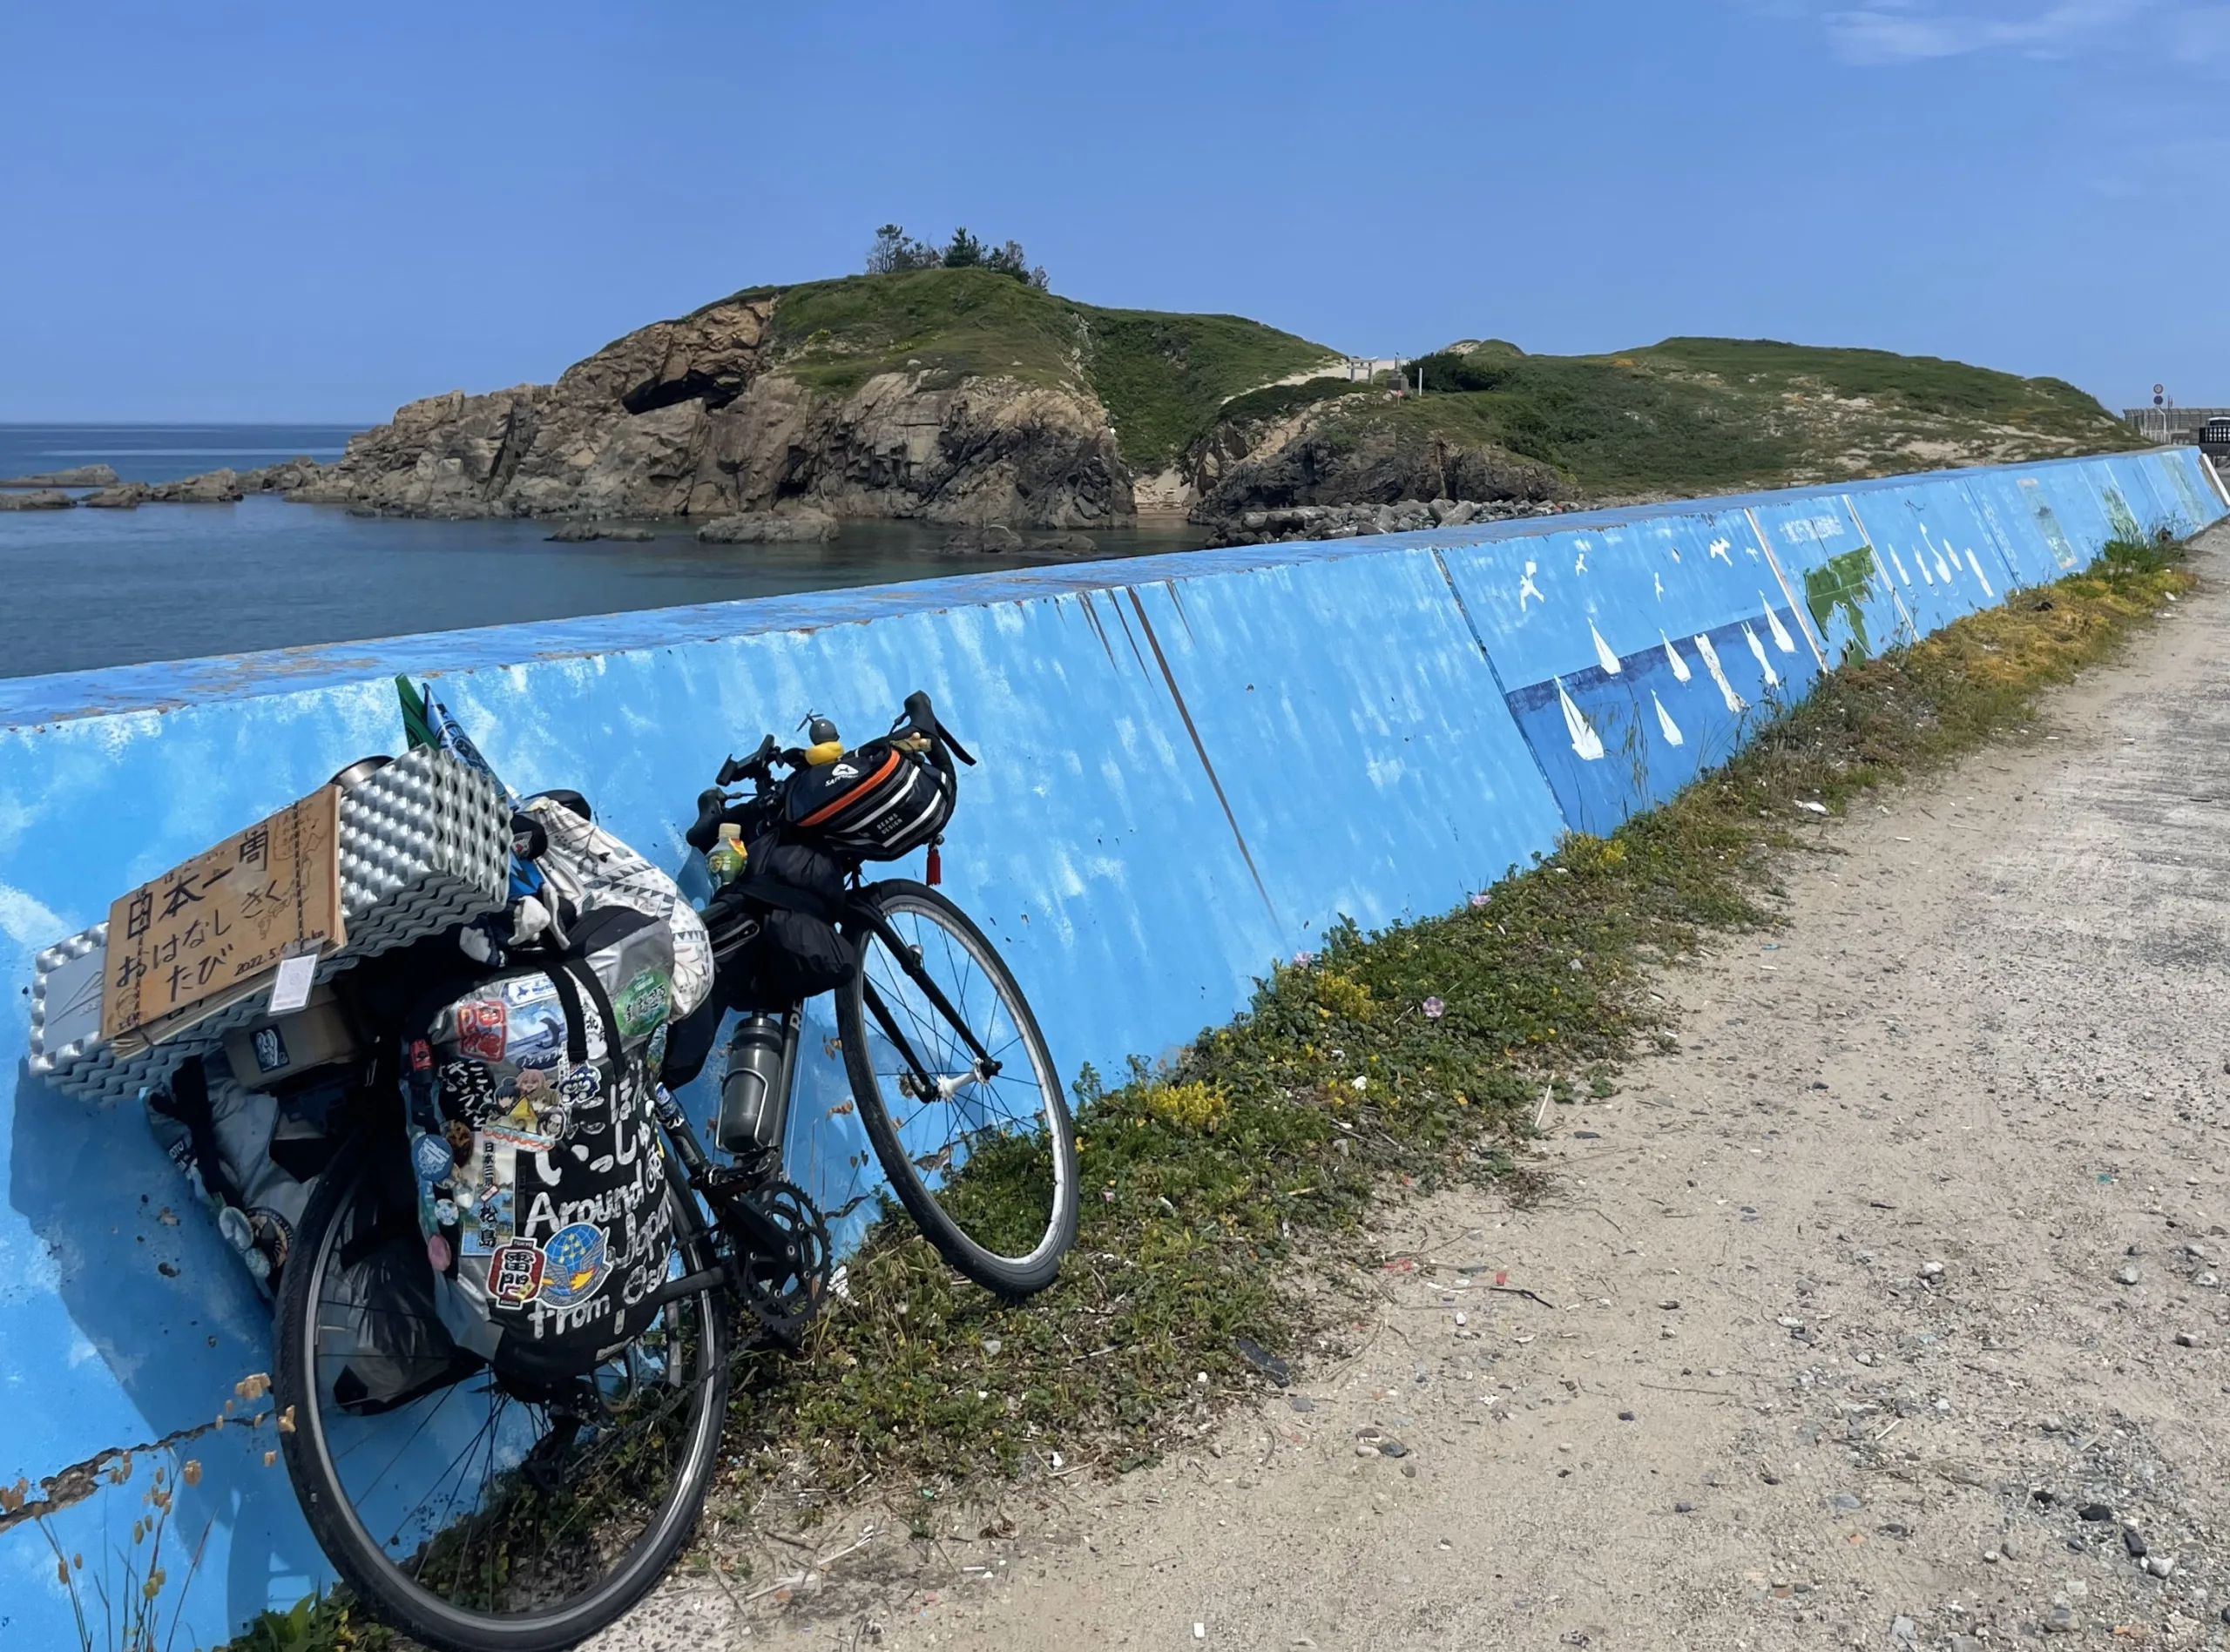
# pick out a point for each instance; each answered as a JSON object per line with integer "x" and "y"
{"x": 425, "y": 846}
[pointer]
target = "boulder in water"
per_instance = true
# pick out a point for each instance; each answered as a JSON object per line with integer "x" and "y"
{"x": 768, "y": 526}
{"x": 581, "y": 533}
{"x": 76, "y": 476}
{"x": 993, "y": 537}
{"x": 123, "y": 495}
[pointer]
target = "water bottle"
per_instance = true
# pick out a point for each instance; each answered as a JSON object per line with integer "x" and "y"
{"x": 725, "y": 857}
{"x": 755, "y": 1092}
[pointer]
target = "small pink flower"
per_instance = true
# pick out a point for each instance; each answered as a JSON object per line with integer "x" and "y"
{"x": 1481, "y": 899}
{"x": 1302, "y": 960}
{"x": 1435, "y": 1009}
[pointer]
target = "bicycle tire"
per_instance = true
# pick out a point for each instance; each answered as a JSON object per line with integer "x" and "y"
{"x": 1013, "y": 1276}
{"x": 370, "y": 1574}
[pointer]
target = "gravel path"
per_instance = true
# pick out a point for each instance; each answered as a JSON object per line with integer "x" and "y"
{"x": 1887, "y": 1309}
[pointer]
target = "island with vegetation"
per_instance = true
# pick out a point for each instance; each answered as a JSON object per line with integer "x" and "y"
{"x": 950, "y": 384}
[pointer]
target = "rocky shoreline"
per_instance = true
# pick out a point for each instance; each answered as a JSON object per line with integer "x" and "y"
{"x": 1347, "y": 522}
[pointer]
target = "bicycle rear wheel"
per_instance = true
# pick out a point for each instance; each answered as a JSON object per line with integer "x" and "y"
{"x": 957, "y": 1091}
{"x": 473, "y": 1512}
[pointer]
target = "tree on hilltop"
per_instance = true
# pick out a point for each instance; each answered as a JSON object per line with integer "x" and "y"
{"x": 894, "y": 253}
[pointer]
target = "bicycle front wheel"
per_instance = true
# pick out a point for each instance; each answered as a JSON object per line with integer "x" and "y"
{"x": 473, "y": 1511}
{"x": 957, "y": 1091}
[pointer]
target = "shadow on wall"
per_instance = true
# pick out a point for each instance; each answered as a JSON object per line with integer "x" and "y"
{"x": 156, "y": 1297}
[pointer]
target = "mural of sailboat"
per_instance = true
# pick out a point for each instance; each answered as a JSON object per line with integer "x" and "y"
{"x": 1585, "y": 740}
{"x": 1734, "y": 702}
{"x": 1680, "y": 672}
{"x": 1981, "y": 576}
{"x": 1780, "y": 632}
{"x": 1758, "y": 652}
{"x": 1603, "y": 657}
{"x": 1666, "y": 725}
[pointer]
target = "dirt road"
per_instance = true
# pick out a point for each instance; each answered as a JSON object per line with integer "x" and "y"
{"x": 1887, "y": 1309}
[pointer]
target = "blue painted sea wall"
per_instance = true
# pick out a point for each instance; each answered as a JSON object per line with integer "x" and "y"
{"x": 1193, "y": 764}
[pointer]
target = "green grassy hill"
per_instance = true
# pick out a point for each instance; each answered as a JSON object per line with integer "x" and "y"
{"x": 1683, "y": 417}
{"x": 1700, "y": 415}
{"x": 1162, "y": 376}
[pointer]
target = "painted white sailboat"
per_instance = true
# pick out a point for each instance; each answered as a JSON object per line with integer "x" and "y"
{"x": 1603, "y": 657}
{"x": 1734, "y": 702}
{"x": 1584, "y": 740}
{"x": 1758, "y": 652}
{"x": 1780, "y": 632}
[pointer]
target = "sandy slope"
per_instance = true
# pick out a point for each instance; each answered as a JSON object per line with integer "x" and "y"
{"x": 1993, "y": 1040}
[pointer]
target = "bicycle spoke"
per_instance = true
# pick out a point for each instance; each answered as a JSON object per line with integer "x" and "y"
{"x": 965, "y": 1088}
{"x": 486, "y": 1501}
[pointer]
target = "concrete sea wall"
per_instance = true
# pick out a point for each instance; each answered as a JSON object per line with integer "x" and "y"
{"x": 1193, "y": 763}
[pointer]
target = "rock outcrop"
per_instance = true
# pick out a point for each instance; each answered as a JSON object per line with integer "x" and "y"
{"x": 1353, "y": 451}
{"x": 44, "y": 499}
{"x": 583, "y": 533}
{"x": 76, "y": 476}
{"x": 769, "y": 526}
{"x": 1345, "y": 522}
{"x": 698, "y": 417}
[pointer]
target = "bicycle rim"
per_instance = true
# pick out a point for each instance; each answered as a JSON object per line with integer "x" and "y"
{"x": 482, "y": 1515}
{"x": 983, "y": 1154}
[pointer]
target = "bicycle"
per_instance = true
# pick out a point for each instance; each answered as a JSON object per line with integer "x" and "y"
{"x": 480, "y": 1512}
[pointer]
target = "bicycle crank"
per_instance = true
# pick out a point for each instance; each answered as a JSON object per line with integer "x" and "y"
{"x": 783, "y": 1287}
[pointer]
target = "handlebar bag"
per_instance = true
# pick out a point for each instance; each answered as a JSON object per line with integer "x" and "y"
{"x": 875, "y": 804}
{"x": 542, "y": 1181}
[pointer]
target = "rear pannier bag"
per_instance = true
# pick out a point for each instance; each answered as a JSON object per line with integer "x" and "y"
{"x": 542, "y": 1182}
{"x": 875, "y": 804}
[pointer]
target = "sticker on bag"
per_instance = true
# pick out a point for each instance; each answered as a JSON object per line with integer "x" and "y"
{"x": 536, "y": 1034}
{"x": 480, "y": 1027}
{"x": 574, "y": 1265}
{"x": 523, "y": 990}
{"x": 515, "y": 1275}
{"x": 431, "y": 1158}
{"x": 642, "y": 1003}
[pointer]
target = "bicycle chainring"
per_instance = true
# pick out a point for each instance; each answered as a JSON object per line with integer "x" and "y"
{"x": 784, "y": 1293}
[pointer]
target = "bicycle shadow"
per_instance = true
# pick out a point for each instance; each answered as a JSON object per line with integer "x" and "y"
{"x": 149, "y": 1292}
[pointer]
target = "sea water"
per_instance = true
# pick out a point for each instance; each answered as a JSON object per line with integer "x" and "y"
{"x": 84, "y": 589}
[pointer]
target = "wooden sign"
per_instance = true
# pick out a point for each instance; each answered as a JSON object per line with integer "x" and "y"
{"x": 214, "y": 930}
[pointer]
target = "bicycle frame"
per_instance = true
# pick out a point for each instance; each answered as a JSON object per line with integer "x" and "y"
{"x": 762, "y": 1235}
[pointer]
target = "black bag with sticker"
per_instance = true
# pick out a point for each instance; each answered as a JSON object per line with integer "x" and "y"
{"x": 773, "y": 929}
{"x": 543, "y": 1189}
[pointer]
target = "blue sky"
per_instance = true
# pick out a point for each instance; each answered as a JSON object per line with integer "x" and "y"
{"x": 229, "y": 211}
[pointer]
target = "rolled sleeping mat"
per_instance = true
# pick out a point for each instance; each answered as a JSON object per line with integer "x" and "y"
{"x": 425, "y": 846}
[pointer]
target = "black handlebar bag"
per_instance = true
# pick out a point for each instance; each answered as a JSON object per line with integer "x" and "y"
{"x": 542, "y": 1181}
{"x": 878, "y": 803}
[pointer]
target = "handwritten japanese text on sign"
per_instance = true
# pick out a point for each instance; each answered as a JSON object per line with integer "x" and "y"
{"x": 203, "y": 932}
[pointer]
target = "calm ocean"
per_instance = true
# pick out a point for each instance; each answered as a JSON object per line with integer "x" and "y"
{"x": 93, "y": 588}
